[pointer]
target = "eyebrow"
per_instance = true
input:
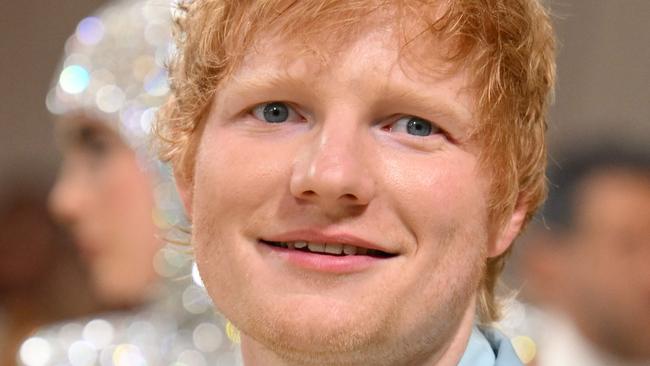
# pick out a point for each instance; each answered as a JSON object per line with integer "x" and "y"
{"x": 393, "y": 93}
{"x": 432, "y": 105}
{"x": 265, "y": 81}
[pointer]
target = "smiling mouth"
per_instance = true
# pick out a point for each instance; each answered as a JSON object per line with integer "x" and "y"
{"x": 331, "y": 249}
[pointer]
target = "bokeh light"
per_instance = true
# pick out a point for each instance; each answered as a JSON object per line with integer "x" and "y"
{"x": 99, "y": 332}
{"x": 74, "y": 79}
{"x": 82, "y": 353}
{"x": 155, "y": 83}
{"x": 196, "y": 300}
{"x": 207, "y": 337}
{"x": 191, "y": 358}
{"x": 35, "y": 352}
{"x": 196, "y": 276}
{"x": 525, "y": 348}
{"x": 128, "y": 355}
{"x": 110, "y": 98}
{"x": 90, "y": 31}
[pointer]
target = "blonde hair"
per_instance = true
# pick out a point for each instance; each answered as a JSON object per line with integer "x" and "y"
{"x": 507, "y": 44}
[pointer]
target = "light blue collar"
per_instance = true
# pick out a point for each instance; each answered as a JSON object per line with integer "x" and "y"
{"x": 488, "y": 347}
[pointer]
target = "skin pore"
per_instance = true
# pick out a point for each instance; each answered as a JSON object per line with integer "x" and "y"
{"x": 105, "y": 200}
{"x": 362, "y": 151}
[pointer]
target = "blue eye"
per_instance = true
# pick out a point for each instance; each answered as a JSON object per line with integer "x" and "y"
{"x": 414, "y": 126}
{"x": 274, "y": 112}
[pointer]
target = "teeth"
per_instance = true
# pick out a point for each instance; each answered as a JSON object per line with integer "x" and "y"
{"x": 316, "y": 247}
{"x": 349, "y": 250}
{"x": 333, "y": 248}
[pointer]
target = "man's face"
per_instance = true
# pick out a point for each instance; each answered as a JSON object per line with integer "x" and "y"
{"x": 106, "y": 201}
{"x": 608, "y": 261}
{"x": 352, "y": 156}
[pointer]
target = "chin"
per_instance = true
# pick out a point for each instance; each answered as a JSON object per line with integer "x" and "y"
{"x": 312, "y": 333}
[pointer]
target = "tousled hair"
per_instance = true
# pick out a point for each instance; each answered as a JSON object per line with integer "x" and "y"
{"x": 508, "y": 46}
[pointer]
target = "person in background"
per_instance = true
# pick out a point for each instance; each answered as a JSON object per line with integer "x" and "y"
{"x": 586, "y": 264}
{"x": 117, "y": 202}
{"x": 37, "y": 265}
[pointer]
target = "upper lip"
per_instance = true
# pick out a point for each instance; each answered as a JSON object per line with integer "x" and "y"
{"x": 319, "y": 236}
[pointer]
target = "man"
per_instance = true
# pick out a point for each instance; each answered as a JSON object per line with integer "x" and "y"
{"x": 110, "y": 195}
{"x": 355, "y": 171}
{"x": 589, "y": 268}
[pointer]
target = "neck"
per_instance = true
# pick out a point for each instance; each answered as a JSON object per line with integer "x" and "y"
{"x": 257, "y": 354}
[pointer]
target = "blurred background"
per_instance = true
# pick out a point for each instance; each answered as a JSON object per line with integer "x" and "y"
{"x": 602, "y": 94}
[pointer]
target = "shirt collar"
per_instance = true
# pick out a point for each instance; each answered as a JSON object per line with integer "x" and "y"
{"x": 488, "y": 347}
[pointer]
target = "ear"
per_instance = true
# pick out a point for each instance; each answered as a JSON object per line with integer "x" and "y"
{"x": 511, "y": 228}
{"x": 185, "y": 190}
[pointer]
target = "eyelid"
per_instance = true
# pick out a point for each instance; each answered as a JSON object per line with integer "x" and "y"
{"x": 294, "y": 113}
{"x": 436, "y": 129}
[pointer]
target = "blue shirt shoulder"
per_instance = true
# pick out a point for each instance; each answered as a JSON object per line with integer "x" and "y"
{"x": 489, "y": 347}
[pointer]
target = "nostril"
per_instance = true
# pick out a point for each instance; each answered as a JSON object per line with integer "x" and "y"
{"x": 309, "y": 193}
{"x": 349, "y": 197}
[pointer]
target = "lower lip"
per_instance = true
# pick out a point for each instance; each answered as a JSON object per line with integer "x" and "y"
{"x": 323, "y": 262}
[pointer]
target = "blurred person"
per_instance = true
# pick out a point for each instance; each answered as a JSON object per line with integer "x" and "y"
{"x": 115, "y": 201}
{"x": 105, "y": 199}
{"x": 37, "y": 265}
{"x": 586, "y": 264}
{"x": 356, "y": 171}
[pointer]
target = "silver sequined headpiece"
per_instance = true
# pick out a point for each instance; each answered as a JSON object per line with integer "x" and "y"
{"x": 113, "y": 67}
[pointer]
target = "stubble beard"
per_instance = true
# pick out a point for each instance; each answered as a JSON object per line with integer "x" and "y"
{"x": 364, "y": 339}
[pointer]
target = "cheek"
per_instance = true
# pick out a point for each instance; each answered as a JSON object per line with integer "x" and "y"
{"x": 127, "y": 202}
{"x": 436, "y": 196}
{"x": 236, "y": 180}
{"x": 236, "y": 175}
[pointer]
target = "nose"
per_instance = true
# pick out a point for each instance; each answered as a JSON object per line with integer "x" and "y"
{"x": 66, "y": 196}
{"x": 332, "y": 172}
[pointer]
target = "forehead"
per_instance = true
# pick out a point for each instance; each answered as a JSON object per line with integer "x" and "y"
{"x": 615, "y": 199}
{"x": 373, "y": 65}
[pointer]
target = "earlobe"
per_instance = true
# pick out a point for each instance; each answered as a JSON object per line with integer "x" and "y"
{"x": 512, "y": 227}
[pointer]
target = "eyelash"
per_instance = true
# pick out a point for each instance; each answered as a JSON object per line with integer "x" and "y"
{"x": 425, "y": 127}
{"x": 276, "y": 112}
{"x": 261, "y": 111}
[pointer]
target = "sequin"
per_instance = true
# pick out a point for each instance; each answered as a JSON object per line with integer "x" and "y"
{"x": 147, "y": 118}
{"x": 90, "y": 31}
{"x": 77, "y": 59}
{"x": 233, "y": 333}
{"x": 207, "y": 337}
{"x": 74, "y": 79}
{"x": 155, "y": 83}
{"x": 53, "y": 103}
{"x": 99, "y": 332}
{"x": 525, "y": 347}
{"x": 35, "y": 351}
{"x": 196, "y": 300}
{"x": 128, "y": 355}
{"x": 191, "y": 358}
{"x": 110, "y": 98}
{"x": 82, "y": 353}
{"x": 196, "y": 276}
